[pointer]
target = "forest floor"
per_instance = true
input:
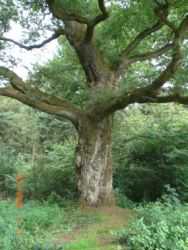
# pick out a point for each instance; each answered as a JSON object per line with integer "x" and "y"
{"x": 99, "y": 234}
{"x": 44, "y": 225}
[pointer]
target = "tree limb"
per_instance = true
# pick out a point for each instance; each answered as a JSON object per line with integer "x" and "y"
{"x": 61, "y": 14}
{"x": 141, "y": 36}
{"x": 56, "y": 34}
{"x": 174, "y": 63}
{"x": 151, "y": 54}
{"x": 121, "y": 66}
{"x": 120, "y": 100}
{"x": 161, "y": 11}
{"x": 35, "y": 98}
{"x": 67, "y": 16}
{"x": 101, "y": 17}
{"x": 165, "y": 99}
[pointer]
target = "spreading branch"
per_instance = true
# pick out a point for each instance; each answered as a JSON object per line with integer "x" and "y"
{"x": 165, "y": 99}
{"x": 64, "y": 15}
{"x": 36, "y": 98}
{"x": 150, "y": 93}
{"x": 56, "y": 34}
{"x": 101, "y": 17}
{"x": 140, "y": 37}
{"x": 104, "y": 14}
{"x": 124, "y": 61}
{"x": 172, "y": 67}
{"x": 161, "y": 11}
{"x": 150, "y": 55}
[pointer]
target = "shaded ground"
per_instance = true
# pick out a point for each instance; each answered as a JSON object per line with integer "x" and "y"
{"x": 98, "y": 235}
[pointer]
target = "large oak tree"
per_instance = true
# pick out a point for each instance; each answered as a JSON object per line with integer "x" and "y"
{"x": 110, "y": 39}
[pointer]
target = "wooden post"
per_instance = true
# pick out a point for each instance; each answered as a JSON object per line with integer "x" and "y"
{"x": 19, "y": 191}
{"x": 19, "y": 200}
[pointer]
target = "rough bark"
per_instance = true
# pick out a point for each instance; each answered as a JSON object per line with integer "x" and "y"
{"x": 94, "y": 163}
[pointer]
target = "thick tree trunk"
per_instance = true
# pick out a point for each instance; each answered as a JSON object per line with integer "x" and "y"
{"x": 94, "y": 163}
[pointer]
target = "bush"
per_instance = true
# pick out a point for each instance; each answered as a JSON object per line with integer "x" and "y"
{"x": 122, "y": 200}
{"x": 157, "y": 226}
{"x": 28, "y": 228}
{"x": 40, "y": 225}
{"x": 53, "y": 176}
{"x": 7, "y": 171}
{"x": 152, "y": 153}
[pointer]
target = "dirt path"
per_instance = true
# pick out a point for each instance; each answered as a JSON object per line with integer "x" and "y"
{"x": 100, "y": 233}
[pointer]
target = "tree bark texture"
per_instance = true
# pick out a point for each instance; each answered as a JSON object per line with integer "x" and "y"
{"x": 94, "y": 163}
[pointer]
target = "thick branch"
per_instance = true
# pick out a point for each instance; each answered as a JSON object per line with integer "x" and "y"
{"x": 61, "y": 14}
{"x": 165, "y": 99}
{"x": 149, "y": 93}
{"x": 162, "y": 11}
{"x": 64, "y": 15}
{"x": 101, "y": 17}
{"x": 13, "y": 78}
{"x": 35, "y": 98}
{"x": 35, "y": 46}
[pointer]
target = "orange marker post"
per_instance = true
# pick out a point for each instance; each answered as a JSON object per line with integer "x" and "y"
{"x": 19, "y": 191}
{"x": 19, "y": 199}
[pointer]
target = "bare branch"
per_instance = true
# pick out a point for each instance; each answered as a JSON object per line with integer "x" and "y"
{"x": 35, "y": 98}
{"x": 57, "y": 34}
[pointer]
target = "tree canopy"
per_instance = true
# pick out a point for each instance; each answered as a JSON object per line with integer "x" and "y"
{"x": 137, "y": 45}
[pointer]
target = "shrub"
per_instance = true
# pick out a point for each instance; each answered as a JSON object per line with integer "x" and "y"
{"x": 122, "y": 200}
{"x": 157, "y": 226}
{"x": 27, "y": 228}
{"x": 152, "y": 153}
{"x": 53, "y": 175}
{"x": 7, "y": 171}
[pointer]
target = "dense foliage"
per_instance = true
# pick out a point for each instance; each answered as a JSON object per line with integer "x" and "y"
{"x": 152, "y": 153}
{"x": 157, "y": 226}
{"x": 36, "y": 225}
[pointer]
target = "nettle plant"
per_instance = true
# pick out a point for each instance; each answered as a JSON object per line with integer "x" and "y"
{"x": 157, "y": 226}
{"x": 126, "y": 51}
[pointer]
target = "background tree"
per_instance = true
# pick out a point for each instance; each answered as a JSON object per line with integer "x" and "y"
{"x": 152, "y": 153}
{"x": 115, "y": 47}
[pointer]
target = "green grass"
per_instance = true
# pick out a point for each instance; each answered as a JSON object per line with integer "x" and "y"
{"x": 44, "y": 226}
{"x": 83, "y": 244}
